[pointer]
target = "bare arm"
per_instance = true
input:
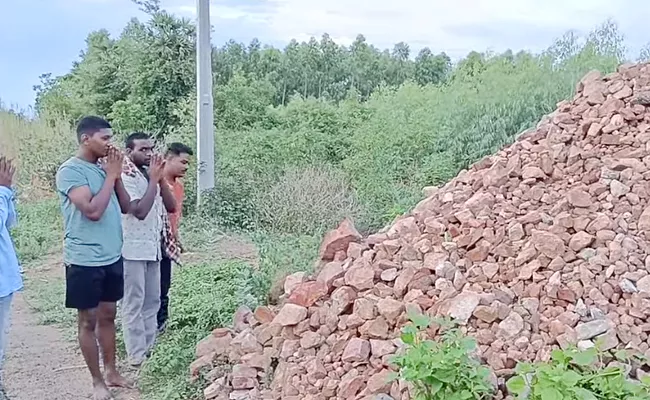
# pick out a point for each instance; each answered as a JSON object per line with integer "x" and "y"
{"x": 141, "y": 207}
{"x": 93, "y": 207}
{"x": 122, "y": 196}
{"x": 167, "y": 196}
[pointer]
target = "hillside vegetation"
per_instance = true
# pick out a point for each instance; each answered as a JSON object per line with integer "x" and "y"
{"x": 305, "y": 135}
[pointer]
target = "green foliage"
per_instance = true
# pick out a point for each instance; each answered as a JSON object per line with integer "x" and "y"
{"x": 576, "y": 375}
{"x": 204, "y": 297}
{"x": 38, "y": 148}
{"x": 38, "y": 231}
{"x": 138, "y": 78}
{"x": 443, "y": 369}
{"x": 280, "y": 255}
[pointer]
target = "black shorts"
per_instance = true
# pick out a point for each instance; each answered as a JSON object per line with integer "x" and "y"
{"x": 86, "y": 287}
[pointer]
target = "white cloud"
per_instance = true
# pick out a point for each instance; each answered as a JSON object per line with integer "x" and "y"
{"x": 455, "y": 27}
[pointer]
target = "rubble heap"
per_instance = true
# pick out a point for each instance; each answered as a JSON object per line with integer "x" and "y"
{"x": 542, "y": 245}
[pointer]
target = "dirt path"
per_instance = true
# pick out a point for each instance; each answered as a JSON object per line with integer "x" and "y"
{"x": 42, "y": 363}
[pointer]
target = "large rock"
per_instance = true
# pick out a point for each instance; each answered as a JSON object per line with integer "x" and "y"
{"x": 357, "y": 350}
{"x": 290, "y": 314}
{"x": 463, "y": 305}
{"x": 338, "y": 240}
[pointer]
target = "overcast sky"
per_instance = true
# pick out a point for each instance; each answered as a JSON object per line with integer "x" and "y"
{"x": 39, "y": 36}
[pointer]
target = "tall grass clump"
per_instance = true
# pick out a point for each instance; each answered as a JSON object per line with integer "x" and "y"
{"x": 307, "y": 200}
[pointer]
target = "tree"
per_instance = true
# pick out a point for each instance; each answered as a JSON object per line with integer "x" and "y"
{"x": 430, "y": 69}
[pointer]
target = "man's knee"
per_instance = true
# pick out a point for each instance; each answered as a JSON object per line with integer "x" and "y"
{"x": 106, "y": 313}
{"x": 87, "y": 320}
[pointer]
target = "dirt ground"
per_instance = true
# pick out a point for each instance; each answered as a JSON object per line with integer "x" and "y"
{"x": 42, "y": 363}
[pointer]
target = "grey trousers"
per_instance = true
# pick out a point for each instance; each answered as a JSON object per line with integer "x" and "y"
{"x": 5, "y": 312}
{"x": 140, "y": 306}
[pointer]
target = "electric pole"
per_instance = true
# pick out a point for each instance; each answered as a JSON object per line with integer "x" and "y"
{"x": 204, "y": 108}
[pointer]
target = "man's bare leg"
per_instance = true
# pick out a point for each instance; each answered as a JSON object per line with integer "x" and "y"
{"x": 106, "y": 335}
{"x": 87, "y": 320}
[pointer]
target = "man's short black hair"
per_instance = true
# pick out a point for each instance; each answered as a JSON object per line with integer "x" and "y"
{"x": 91, "y": 124}
{"x": 179, "y": 148}
{"x": 130, "y": 140}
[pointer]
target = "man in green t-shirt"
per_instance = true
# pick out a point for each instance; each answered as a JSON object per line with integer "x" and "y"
{"x": 92, "y": 201}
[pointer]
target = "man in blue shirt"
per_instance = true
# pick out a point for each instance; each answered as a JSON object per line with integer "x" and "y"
{"x": 92, "y": 200}
{"x": 10, "y": 280}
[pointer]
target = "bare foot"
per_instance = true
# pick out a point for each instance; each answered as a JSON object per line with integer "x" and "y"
{"x": 114, "y": 379}
{"x": 101, "y": 392}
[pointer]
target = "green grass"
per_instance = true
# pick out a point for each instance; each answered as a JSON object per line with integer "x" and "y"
{"x": 39, "y": 230}
{"x": 45, "y": 295}
{"x": 37, "y": 238}
{"x": 204, "y": 296}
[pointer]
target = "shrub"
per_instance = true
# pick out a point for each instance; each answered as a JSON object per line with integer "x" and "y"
{"x": 38, "y": 147}
{"x": 307, "y": 201}
{"x": 576, "y": 375}
{"x": 444, "y": 369}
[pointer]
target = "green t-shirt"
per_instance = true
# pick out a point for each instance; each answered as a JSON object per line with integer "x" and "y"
{"x": 88, "y": 243}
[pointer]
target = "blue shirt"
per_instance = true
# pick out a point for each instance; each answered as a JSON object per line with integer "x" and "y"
{"x": 88, "y": 243}
{"x": 10, "y": 279}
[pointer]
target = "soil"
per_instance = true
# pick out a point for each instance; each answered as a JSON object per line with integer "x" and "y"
{"x": 41, "y": 363}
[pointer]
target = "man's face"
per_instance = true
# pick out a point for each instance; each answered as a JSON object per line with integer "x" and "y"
{"x": 98, "y": 142}
{"x": 142, "y": 152}
{"x": 177, "y": 165}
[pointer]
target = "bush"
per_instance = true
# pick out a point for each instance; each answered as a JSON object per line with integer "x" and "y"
{"x": 444, "y": 369}
{"x": 307, "y": 200}
{"x": 576, "y": 375}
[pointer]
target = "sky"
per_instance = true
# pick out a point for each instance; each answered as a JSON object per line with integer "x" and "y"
{"x": 41, "y": 36}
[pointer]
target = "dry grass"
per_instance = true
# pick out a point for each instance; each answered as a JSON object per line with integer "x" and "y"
{"x": 38, "y": 148}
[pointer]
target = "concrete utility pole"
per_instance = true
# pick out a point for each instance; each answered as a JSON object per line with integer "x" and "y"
{"x": 204, "y": 109}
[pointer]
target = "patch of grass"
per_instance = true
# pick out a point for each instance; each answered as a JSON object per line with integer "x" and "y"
{"x": 39, "y": 230}
{"x": 37, "y": 235}
{"x": 574, "y": 374}
{"x": 281, "y": 255}
{"x": 202, "y": 297}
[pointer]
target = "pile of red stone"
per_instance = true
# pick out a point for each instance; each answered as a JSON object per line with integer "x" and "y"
{"x": 543, "y": 245}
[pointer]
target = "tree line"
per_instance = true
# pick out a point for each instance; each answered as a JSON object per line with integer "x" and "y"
{"x": 139, "y": 78}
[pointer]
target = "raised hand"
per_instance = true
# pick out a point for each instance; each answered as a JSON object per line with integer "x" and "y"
{"x": 156, "y": 167}
{"x": 7, "y": 170}
{"x": 113, "y": 163}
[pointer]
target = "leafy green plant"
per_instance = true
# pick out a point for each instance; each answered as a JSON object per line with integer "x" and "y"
{"x": 443, "y": 369}
{"x": 576, "y": 375}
